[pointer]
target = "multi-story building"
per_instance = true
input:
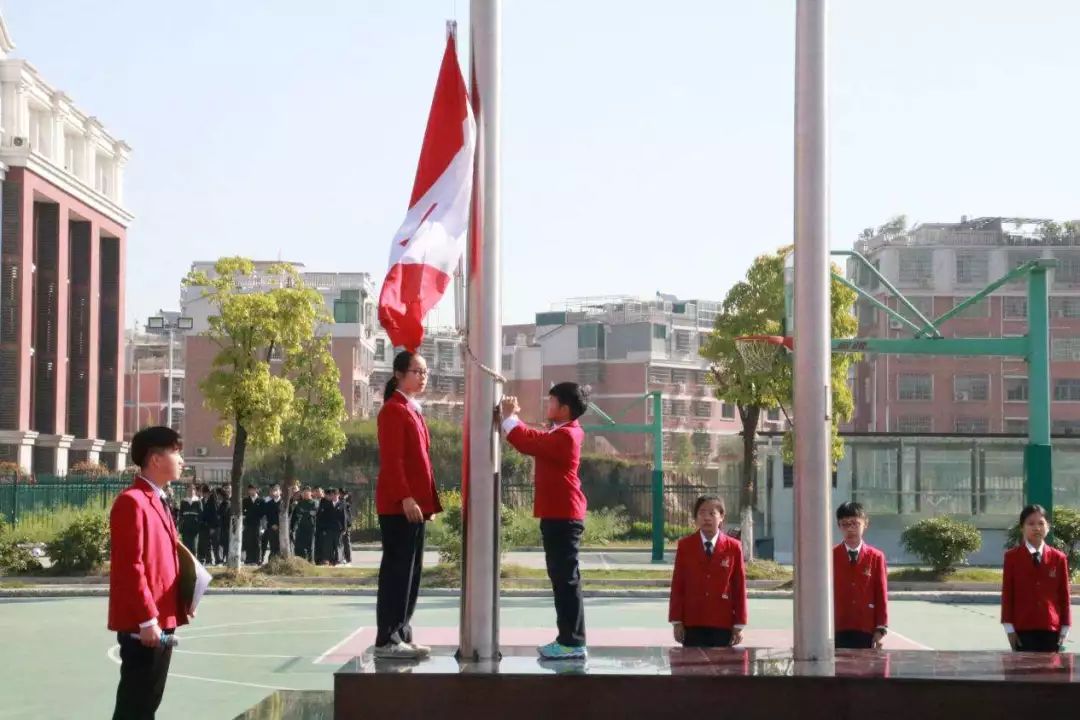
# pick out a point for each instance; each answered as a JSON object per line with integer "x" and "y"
{"x": 62, "y": 254}
{"x": 147, "y": 373}
{"x": 350, "y": 300}
{"x": 622, "y": 348}
{"x": 443, "y": 349}
{"x": 937, "y": 265}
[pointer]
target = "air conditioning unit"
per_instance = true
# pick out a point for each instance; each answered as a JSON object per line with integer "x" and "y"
{"x": 963, "y": 396}
{"x": 20, "y": 142}
{"x": 202, "y": 452}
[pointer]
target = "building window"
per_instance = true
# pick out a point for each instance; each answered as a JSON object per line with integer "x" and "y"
{"x": 914, "y": 424}
{"x": 659, "y": 375}
{"x": 970, "y": 388}
{"x": 922, "y": 303}
{"x": 659, "y": 332}
{"x": 1068, "y": 269}
{"x": 1065, "y": 307}
{"x": 590, "y": 342}
{"x": 727, "y": 411}
{"x": 980, "y": 309}
{"x": 703, "y": 409}
{"x": 1067, "y": 390}
{"x": 1015, "y": 307}
{"x": 380, "y": 350}
{"x": 916, "y": 266}
{"x": 972, "y": 268}
{"x": 680, "y": 408}
{"x": 972, "y": 425}
{"x": 773, "y": 415}
{"x": 1016, "y": 389}
{"x": 589, "y": 374}
{"x": 1016, "y": 426}
{"x": 680, "y": 376}
{"x": 915, "y": 386}
{"x": 1066, "y": 349}
{"x": 444, "y": 355}
{"x": 1065, "y": 427}
{"x": 682, "y": 341}
{"x": 508, "y": 361}
{"x": 346, "y": 311}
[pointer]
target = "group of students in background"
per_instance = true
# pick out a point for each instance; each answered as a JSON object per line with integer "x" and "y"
{"x": 708, "y": 605}
{"x": 318, "y": 521}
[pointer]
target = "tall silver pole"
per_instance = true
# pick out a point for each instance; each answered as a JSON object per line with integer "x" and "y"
{"x": 813, "y": 466}
{"x": 168, "y": 405}
{"x": 480, "y": 571}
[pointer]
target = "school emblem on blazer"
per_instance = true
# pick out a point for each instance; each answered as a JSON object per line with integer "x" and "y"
{"x": 726, "y": 562}
{"x": 1053, "y": 572}
{"x": 866, "y": 572}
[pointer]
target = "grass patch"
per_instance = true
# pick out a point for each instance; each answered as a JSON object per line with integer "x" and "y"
{"x": 960, "y": 575}
{"x": 767, "y": 570}
{"x": 228, "y": 578}
{"x": 14, "y": 585}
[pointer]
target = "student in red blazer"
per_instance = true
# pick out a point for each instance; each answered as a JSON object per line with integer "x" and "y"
{"x": 707, "y": 606}
{"x": 860, "y": 584}
{"x": 560, "y": 505}
{"x": 144, "y": 571}
{"x": 1035, "y": 596}
{"x": 405, "y": 499}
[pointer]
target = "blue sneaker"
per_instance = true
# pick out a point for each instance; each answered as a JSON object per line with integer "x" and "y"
{"x": 558, "y": 651}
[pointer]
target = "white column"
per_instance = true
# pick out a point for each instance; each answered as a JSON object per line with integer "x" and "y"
{"x": 89, "y": 165}
{"x": 813, "y": 465}
{"x": 480, "y": 571}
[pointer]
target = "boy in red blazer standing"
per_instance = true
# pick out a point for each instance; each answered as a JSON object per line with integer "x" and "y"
{"x": 1035, "y": 595}
{"x": 144, "y": 572}
{"x": 708, "y": 587}
{"x": 860, "y": 578}
{"x": 560, "y": 505}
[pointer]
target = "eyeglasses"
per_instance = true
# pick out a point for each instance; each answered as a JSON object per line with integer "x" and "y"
{"x": 422, "y": 372}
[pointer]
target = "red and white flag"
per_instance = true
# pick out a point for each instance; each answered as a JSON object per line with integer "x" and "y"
{"x": 427, "y": 247}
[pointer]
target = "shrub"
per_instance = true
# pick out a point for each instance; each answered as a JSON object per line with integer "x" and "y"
{"x": 43, "y": 524}
{"x": 82, "y": 545}
{"x": 445, "y": 530}
{"x": 520, "y": 528}
{"x": 1065, "y": 535}
{"x": 604, "y": 525}
{"x": 292, "y": 567}
{"x": 641, "y": 530}
{"x": 88, "y": 469}
{"x": 15, "y": 557}
{"x": 941, "y": 542}
{"x": 12, "y": 469}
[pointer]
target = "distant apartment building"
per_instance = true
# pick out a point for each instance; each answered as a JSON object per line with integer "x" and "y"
{"x": 937, "y": 265}
{"x": 149, "y": 396}
{"x": 350, "y": 300}
{"x": 62, "y": 253}
{"x": 622, "y": 348}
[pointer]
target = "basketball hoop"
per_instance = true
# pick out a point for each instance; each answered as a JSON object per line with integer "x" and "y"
{"x": 758, "y": 352}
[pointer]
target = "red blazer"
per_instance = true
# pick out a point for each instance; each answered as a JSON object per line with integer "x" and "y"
{"x": 708, "y": 592}
{"x": 1035, "y": 598}
{"x": 558, "y": 493}
{"x": 144, "y": 570}
{"x": 404, "y": 460}
{"x": 860, "y": 591}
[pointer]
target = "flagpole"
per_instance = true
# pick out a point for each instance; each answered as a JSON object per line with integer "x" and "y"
{"x": 480, "y": 472}
{"x": 813, "y": 465}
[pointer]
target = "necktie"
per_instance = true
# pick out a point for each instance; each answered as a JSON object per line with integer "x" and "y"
{"x": 1037, "y": 557}
{"x": 708, "y": 548}
{"x": 853, "y": 555}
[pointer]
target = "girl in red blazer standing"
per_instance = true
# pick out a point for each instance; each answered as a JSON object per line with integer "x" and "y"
{"x": 405, "y": 499}
{"x": 1035, "y": 599}
{"x": 708, "y": 587}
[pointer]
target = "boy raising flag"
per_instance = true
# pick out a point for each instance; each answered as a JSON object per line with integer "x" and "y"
{"x": 560, "y": 505}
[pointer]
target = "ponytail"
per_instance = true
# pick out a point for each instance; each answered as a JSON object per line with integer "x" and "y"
{"x": 391, "y": 388}
{"x": 402, "y": 363}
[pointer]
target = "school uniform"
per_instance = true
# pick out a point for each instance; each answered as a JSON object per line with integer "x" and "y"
{"x": 1035, "y": 600}
{"x": 404, "y": 471}
{"x": 708, "y": 589}
{"x": 860, "y": 595}
{"x": 189, "y": 522}
{"x": 252, "y": 513}
{"x": 208, "y": 530}
{"x": 560, "y": 504}
{"x": 272, "y": 539}
{"x": 224, "y": 527}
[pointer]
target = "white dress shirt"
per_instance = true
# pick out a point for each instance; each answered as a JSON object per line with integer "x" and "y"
{"x": 413, "y": 402}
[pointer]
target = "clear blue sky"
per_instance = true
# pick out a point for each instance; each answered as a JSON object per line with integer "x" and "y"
{"x": 647, "y": 145}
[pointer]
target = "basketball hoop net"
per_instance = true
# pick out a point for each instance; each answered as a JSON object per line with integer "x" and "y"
{"x": 758, "y": 352}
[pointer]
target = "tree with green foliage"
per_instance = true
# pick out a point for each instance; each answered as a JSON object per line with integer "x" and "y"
{"x": 251, "y": 329}
{"x": 312, "y": 431}
{"x": 755, "y": 306}
{"x": 1064, "y": 535}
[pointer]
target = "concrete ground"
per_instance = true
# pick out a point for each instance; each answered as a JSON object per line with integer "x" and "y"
{"x": 60, "y": 662}
{"x": 590, "y": 559}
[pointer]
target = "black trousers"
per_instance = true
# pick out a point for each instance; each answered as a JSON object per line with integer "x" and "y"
{"x": 853, "y": 640}
{"x": 272, "y": 539}
{"x": 330, "y": 547}
{"x": 304, "y": 542}
{"x": 562, "y": 538}
{"x": 207, "y": 545}
{"x": 143, "y": 672}
{"x": 399, "y": 578}
{"x": 189, "y": 536}
{"x": 1039, "y": 640}
{"x": 252, "y": 555}
{"x": 706, "y": 637}
{"x": 346, "y": 547}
